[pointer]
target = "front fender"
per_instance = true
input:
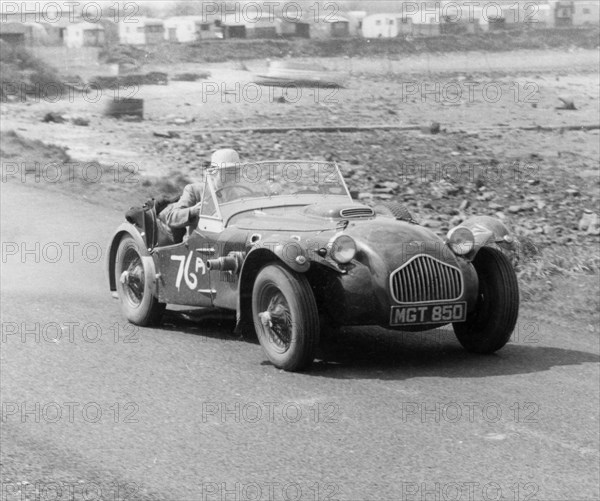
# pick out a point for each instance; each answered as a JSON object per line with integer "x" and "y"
{"x": 489, "y": 232}
{"x": 271, "y": 250}
{"x": 131, "y": 230}
{"x": 291, "y": 252}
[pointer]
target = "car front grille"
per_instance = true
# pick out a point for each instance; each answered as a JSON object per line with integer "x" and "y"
{"x": 426, "y": 279}
{"x": 358, "y": 212}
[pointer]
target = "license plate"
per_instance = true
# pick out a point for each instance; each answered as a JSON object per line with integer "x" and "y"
{"x": 428, "y": 314}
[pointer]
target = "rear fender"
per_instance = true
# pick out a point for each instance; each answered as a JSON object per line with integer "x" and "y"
{"x": 133, "y": 231}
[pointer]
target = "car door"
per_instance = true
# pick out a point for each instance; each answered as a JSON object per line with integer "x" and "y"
{"x": 206, "y": 235}
{"x": 184, "y": 275}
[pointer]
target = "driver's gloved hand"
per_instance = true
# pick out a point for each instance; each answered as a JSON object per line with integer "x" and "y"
{"x": 195, "y": 210}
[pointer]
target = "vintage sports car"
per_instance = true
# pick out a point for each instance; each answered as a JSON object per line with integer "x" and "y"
{"x": 284, "y": 246}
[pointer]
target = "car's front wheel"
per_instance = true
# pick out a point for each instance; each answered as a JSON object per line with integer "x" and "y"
{"x": 285, "y": 317}
{"x": 490, "y": 326}
{"x": 138, "y": 303}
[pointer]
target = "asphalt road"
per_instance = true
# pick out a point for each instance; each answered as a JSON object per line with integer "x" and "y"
{"x": 93, "y": 408}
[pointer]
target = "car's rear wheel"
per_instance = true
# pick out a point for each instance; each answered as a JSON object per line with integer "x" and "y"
{"x": 490, "y": 326}
{"x": 396, "y": 210}
{"x": 138, "y": 304}
{"x": 286, "y": 318}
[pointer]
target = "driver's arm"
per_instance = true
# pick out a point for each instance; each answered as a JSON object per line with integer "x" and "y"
{"x": 184, "y": 212}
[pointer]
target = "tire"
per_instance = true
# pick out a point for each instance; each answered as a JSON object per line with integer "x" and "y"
{"x": 138, "y": 304}
{"x": 398, "y": 211}
{"x": 489, "y": 327}
{"x": 285, "y": 317}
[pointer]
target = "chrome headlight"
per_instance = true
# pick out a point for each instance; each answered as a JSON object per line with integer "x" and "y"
{"x": 342, "y": 249}
{"x": 461, "y": 240}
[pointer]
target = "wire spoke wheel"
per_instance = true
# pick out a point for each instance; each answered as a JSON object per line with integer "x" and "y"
{"x": 134, "y": 278}
{"x": 285, "y": 317}
{"x": 277, "y": 318}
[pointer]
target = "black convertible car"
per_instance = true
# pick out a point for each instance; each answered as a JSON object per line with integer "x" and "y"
{"x": 286, "y": 247}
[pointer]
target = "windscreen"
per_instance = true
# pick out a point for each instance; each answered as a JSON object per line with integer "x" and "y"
{"x": 272, "y": 179}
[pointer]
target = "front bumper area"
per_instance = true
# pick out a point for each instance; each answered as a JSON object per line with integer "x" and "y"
{"x": 368, "y": 295}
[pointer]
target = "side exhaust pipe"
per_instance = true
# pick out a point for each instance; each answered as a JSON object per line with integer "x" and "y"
{"x": 232, "y": 262}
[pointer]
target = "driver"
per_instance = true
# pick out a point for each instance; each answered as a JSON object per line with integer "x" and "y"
{"x": 186, "y": 211}
{"x": 231, "y": 184}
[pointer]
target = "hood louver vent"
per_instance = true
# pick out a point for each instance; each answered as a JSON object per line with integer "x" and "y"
{"x": 357, "y": 212}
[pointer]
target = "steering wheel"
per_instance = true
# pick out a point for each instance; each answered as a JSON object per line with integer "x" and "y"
{"x": 219, "y": 193}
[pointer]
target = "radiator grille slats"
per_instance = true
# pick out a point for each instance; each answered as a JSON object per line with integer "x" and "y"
{"x": 422, "y": 282}
{"x": 433, "y": 288}
{"x": 425, "y": 279}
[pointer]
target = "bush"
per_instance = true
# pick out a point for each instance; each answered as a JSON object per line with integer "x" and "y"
{"x": 21, "y": 70}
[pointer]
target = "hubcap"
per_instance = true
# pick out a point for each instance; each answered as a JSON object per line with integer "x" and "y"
{"x": 132, "y": 278}
{"x": 276, "y": 318}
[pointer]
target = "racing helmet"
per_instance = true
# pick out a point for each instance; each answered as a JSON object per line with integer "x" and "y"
{"x": 224, "y": 158}
{"x": 221, "y": 160}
